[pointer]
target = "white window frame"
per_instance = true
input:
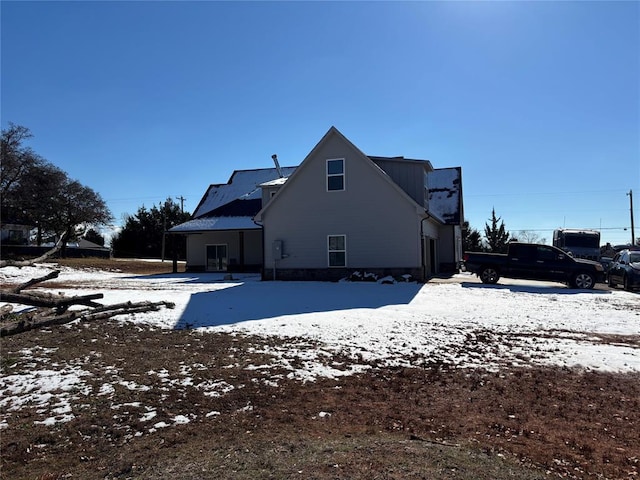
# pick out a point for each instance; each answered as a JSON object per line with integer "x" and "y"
{"x": 329, "y": 251}
{"x": 226, "y": 259}
{"x": 330, "y": 175}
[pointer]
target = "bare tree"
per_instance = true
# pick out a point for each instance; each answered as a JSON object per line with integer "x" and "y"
{"x": 34, "y": 192}
{"x": 17, "y": 166}
{"x": 528, "y": 236}
{"x": 75, "y": 206}
{"x": 15, "y": 159}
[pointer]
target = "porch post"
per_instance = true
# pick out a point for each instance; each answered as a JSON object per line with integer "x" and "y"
{"x": 174, "y": 252}
{"x": 241, "y": 242}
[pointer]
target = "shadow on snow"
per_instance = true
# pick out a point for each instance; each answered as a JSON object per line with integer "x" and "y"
{"x": 542, "y": 289}
{"x": 237, "y": 302}
{"x": 195, "y": 278}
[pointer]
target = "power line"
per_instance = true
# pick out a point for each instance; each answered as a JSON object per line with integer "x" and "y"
{"x": 552, "y": 229}
{"x": 466, "y": 195}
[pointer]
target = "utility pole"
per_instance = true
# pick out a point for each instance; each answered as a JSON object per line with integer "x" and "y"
{"x": 164, "y": 227}
{"x": 633, "y": 233}
{"x": 182, "y": 199}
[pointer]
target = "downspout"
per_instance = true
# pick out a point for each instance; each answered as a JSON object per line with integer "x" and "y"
{"x": 455, "y": 249}
{"x": 422, "y": 246}
{"x": 262, "y": 270}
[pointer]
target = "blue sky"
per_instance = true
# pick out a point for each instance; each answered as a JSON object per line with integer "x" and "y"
{"x": 538, "y": 102}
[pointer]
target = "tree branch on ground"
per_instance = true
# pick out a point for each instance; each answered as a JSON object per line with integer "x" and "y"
{"x": 40, "y": 259}
{"x": 53, "y": 309}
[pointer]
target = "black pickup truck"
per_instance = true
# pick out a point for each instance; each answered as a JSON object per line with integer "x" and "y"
{"x": 534, "y": 262}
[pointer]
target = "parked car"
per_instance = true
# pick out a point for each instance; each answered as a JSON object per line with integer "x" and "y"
{"x": 534, "y": 262}
{"x": 625, "y": 269}
{"x": 606, "y": 263}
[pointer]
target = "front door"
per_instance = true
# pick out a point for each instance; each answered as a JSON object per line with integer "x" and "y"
{"x": 216, "y": 258}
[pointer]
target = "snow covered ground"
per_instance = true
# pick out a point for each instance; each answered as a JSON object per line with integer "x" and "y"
{"x": 458, "y": 321}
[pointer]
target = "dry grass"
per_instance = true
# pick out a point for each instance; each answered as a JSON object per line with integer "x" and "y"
{"x": 435, "y": 422}
{"x": 138, "y": 267}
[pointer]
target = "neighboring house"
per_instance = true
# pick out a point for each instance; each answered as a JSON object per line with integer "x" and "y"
{"x": 81, "y": 248}
{"x": 339, "y": 212}
{"x": 92, "y": 247}
{"x": 15, "y": 234}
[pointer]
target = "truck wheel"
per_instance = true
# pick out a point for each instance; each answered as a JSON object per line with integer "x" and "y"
{"x": 489, "y": 275}
{"x": 584, "y": 280}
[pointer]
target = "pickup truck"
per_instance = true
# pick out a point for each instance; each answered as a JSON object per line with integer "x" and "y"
{"x": 534, "y": 262}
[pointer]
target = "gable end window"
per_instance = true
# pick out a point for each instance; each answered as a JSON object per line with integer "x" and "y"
{"x": 337, "y": 248}
{"x": 335, "y": 174}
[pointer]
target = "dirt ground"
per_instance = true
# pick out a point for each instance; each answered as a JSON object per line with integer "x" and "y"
{"x": 412, "y": 423}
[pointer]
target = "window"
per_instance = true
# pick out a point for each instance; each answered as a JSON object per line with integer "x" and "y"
{"x": 546, "y": 254}
{"x": 522, "y": 251}
{"x": 17, "y": 237}
{"x": 335, "y": 174}
{"x": 337, "y": 250}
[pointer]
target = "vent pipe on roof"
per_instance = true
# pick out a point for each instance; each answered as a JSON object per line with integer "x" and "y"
{"x": 274, "y": 157}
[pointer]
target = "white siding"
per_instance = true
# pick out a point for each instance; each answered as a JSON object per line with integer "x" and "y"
{"x": 381, "y": 224}
{"x": 196, "y": 246}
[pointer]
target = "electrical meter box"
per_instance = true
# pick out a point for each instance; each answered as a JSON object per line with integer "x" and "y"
{"x": 277, "y": 249}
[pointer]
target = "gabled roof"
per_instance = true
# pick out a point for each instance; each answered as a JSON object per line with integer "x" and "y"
{"x": 235, "y": 204}
{"x": 368, "y": 160}
{"x": 445, "y": 194}
{"x": 84, "y": 243}
{"x": 231, "y": 205}
{"x": 243, "y": 184}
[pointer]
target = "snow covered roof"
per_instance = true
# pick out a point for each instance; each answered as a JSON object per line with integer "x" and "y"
{"x": 243, "y": 184}
{"x": 232, "y": 205}
{"x": 276, "y": 182}
{"x": 445, "y": 194}
{"x": 207, "y": 224}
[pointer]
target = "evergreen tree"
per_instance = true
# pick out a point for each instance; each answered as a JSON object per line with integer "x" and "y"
{"x": 496, "y": 235}
{"x": 471, "y": 238}
{"x": 143, "y": 233}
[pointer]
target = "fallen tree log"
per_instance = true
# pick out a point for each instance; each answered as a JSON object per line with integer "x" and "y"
{"x": 30, "y": 322}
{"x": 54, "y": 309}
{"x": 59, "y": 302}
{"x": 35, "y": 281}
